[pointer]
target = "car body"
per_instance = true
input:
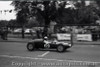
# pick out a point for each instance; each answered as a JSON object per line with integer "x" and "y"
{"x": 39, "y": 43}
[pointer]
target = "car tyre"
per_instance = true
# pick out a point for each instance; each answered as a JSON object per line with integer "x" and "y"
{"x": 30, "y": 46}
{"x": 60, "y": 48}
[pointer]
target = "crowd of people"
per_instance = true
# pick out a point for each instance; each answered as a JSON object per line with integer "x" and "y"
{"x": 42, "y": 33}
{"x": 94, "y": 31}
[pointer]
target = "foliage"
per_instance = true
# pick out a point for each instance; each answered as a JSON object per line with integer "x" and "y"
{"x": 3, "y": 23}
{"x": 22, "y": 11}
{"x": 47, "y": 11}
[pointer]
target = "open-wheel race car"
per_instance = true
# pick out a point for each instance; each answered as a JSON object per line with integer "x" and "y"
{"x": 48, "y": 44}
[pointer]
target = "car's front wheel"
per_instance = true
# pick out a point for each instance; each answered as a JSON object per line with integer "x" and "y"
{"x": 60, "y": 48}
{"x": 30, "y": 46}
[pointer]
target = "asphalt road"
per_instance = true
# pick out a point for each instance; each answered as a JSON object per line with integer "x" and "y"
{"x": 14, "y": 54}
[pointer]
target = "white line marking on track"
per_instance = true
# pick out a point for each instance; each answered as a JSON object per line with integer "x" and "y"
{"x": 44, "y": 54}
{"x": 21, "y": 57}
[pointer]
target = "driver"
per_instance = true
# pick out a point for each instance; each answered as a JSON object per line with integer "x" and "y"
{"x": 46, "y": 45}
{"x": 46, "y": 40}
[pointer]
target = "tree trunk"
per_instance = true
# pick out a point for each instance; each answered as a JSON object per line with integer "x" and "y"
{"x": 23, "y": 36}
{"x": 47, "y": 22}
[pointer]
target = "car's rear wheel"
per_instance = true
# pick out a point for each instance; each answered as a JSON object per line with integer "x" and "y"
{"x": 30, "y": 46}
{"x": 60, "y": 48}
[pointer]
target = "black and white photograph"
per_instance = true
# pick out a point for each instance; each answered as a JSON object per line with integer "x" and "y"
{"x": 49, "y": 33}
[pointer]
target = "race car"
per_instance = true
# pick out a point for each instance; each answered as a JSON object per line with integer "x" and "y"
{"x": 48, "y": 44}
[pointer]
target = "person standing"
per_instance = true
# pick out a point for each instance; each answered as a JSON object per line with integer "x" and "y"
{"x": 4, "y": 33}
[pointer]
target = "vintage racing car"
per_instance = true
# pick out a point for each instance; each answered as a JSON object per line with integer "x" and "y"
{"x": 49, "y": 44}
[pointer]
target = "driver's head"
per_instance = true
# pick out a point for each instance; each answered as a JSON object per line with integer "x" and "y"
{"x": 45, "y": 38}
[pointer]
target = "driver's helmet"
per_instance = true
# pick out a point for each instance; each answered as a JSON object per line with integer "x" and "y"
{"x": 45, "y": 38}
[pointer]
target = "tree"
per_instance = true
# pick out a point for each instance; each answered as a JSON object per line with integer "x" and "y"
{"x": 48, "y": 10}
{"x": 97, "y": 10}
{"x": 3, "y": 23}
{"x": 32, "y": 23}
{"x": 22, "y": 13}
{"x": 85, "y": 15}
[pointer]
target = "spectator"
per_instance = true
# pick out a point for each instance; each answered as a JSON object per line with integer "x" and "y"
{"x": 99, "y": 34}
{"x": 31, "y": 33}
{"x": 40, "y": 33}
{"x": 94, "y": 35}
{"x": 4, "y": 33}
{"x": 49, "y": 32}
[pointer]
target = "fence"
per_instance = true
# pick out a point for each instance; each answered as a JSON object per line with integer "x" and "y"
{"x": 77, "y": 32}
